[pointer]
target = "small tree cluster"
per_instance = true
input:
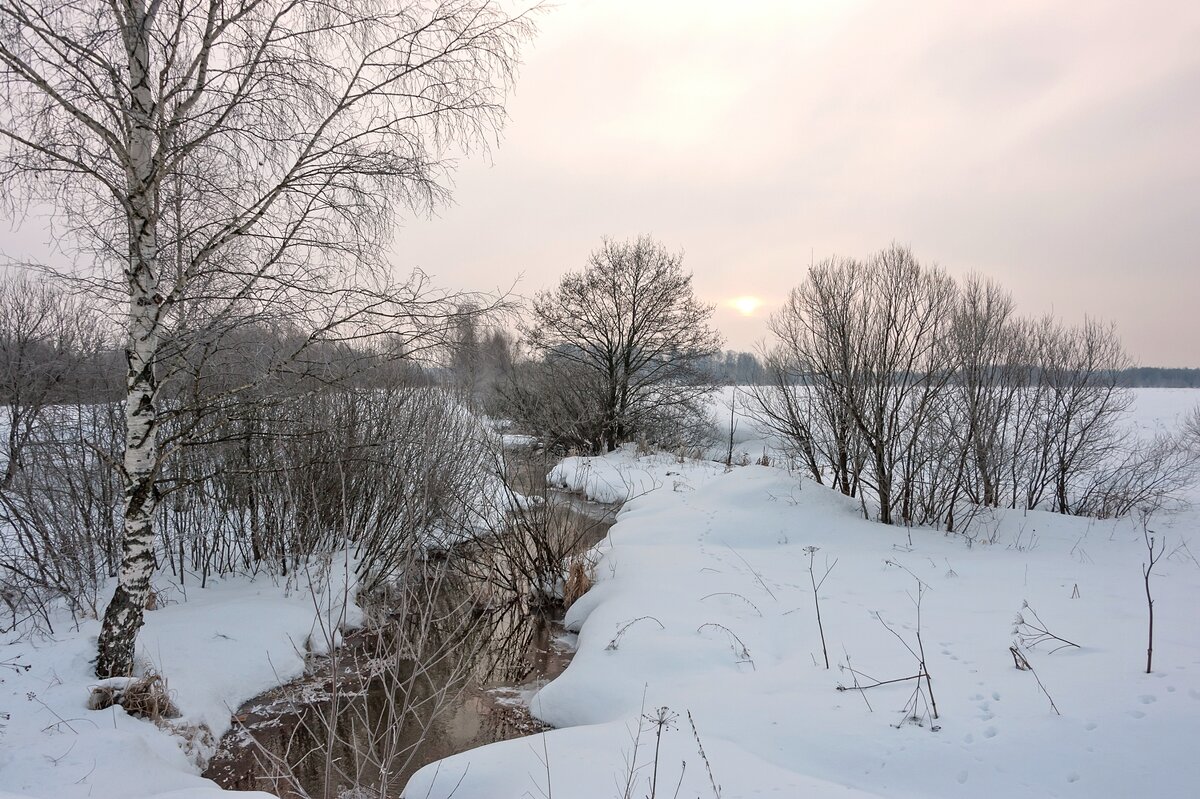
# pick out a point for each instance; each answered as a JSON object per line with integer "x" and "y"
{"x": 925, "y": 397}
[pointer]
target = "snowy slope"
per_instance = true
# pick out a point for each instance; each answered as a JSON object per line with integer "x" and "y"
{"x": 719, "y": 563}
{"x": 217, "y": 648}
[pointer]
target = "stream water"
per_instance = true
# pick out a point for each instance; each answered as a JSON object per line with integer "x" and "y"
{"x": 367, "y": 718}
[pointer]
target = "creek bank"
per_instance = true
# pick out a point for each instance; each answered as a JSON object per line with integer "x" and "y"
{"x": 280, "y": 737}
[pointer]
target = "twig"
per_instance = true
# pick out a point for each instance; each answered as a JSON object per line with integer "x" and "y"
{"x": 753, "y": 571}
{"x": 854, "y": 674}
{"x": 900, "y": 565}
{"x": 707, "y": 766}
{"x": 1030, "y": 634}
{"x": 921, "y": 691}
{"x": 733, "y": 593}
{"x": 1022, "y": 663}
{"x": 616, "y": 639}
{"x": 816, "y": 586}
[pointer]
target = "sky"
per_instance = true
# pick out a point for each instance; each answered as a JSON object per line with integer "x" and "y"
{"x": 1052, "y": 146}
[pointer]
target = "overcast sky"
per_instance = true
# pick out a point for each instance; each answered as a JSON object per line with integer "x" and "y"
{"x": 1053, "y": 146}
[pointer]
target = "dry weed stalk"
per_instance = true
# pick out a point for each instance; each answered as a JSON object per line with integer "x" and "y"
{"x": 1022, "y": 664}
{"x": 740, "y": 651}
{"x": 1031, "y": 633}
{"x": 579, "y": 581}
{"x": 922, "y": 695}
{"x": 1153, "y": 556}
{"x": 811, "y": 551}
{"x": 616, "y": 639}
{"x": 712, "y": 781}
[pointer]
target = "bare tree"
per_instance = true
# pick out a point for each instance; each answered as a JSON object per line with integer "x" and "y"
{"x": 239, "y": 158}
{"x": 558, "y": 399}
{"x": 57, "y": 486}
{"x": 50, "y": 351}
{"x": 867, "y": 339}
{"x": 815, "y": 431}
{"x": 1077, "y": 370}
{"x": 1146, "y": 475}
{"x": 932, "y": 399}
{"x": 1191, "y": 429}
{"x": 631, "y": 321}
{"x": 984, "y": 348}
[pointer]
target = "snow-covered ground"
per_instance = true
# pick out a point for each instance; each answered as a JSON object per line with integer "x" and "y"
{"x": 704, "y": 606}
{"x": 216, "y": 647}
{"x": 750, "y": 438}
{"x": 624, "y": 475}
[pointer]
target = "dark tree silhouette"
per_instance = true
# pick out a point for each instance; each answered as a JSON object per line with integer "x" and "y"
{"x": 632, "y": 321}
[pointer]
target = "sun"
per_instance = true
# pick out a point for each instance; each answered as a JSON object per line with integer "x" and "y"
{"x": 746, "y": 306}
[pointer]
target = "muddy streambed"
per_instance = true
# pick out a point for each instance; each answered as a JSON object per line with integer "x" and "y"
{"x": 362, "y": 721}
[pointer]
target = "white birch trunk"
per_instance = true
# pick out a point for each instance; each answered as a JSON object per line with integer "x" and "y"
{"x": 124, "y": 615}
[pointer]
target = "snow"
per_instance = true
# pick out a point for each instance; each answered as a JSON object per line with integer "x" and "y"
{"x": 703, "y": 605}
{"x": 517, "y": 441}
{"x": 1162, "y": 409}
{"x": 624, "y": 474}
{"x": 751, "y": 439}
{"x": 216, "y": 648}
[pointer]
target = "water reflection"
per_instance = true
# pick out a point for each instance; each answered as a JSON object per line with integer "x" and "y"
{"x": 427, "y": 686}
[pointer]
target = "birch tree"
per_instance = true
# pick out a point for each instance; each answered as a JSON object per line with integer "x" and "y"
{"x": 219, "y": 161}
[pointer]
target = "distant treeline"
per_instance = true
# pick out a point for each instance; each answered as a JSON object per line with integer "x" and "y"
{"x": 1160, "y": 377}
{"x": 746, "y": 369}
{"x": 734, "y": 368}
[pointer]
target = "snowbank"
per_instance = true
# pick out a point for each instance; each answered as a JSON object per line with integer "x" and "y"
{"x": 623, "y": 474}
{"x": 751, "y": 438}
{"x": 216, "y": 648}
{"x": 703, "y": 605}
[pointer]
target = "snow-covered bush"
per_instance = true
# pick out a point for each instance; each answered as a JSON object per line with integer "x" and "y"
{"x": 60, "y": 525}
{"x": 393, "y": 470}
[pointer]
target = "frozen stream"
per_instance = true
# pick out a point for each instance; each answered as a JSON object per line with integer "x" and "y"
{"x": 281, "y": 737}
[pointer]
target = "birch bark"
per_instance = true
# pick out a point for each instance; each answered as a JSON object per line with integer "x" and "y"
{"x": 125, "y": 612}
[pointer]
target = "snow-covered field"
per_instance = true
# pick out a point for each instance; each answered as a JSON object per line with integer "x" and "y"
{"x": 1154, "y": 410}
{"x": 704, "y": 606}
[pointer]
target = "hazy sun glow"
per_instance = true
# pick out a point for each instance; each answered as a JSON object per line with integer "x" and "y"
{"x": 746, "y": 306}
